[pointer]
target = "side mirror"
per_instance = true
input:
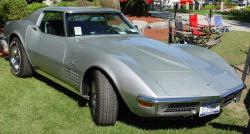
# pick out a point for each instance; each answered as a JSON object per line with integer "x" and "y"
{"x": 136, "y": 27}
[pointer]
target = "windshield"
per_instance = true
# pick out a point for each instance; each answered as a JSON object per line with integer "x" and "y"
{"x": 80, "y": 24}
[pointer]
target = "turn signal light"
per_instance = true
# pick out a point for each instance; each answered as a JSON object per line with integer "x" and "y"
{"x": 145, "y": 104}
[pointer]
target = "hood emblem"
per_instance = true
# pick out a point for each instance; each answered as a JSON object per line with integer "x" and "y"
{"x": 209, "y": 85}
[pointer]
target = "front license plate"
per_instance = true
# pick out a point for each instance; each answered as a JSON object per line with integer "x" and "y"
{"x": 209, "y": 108}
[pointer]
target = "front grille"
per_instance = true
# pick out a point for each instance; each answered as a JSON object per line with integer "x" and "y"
{"x": 181, "y": 107}
{"x": 178, "y": 108}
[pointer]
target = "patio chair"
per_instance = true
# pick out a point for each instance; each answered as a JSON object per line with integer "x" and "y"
{"x": 219, "y": 27}
{"x": 203, "y": 35}
{"x": 198, "y": 29}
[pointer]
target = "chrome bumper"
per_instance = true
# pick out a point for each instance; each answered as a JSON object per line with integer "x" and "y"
{"x": 185, "y": 106}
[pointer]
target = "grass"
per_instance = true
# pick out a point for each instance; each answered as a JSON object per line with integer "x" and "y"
{"x": 234, "y": 47}
{"x": 37, "y": 105}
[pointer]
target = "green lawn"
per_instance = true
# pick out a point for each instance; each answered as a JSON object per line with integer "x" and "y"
{"x": 234, "y": 47}
{"x": 36, "y": 105}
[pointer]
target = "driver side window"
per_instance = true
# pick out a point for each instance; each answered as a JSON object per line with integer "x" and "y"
{"x": 52, "y": 23}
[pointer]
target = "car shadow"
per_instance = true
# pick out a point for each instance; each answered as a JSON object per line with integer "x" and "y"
{"x": 80, "y": 100}
{"x": 227, "y": 127}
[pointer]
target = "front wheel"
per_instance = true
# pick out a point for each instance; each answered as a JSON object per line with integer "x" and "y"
{"x": 103, "y": 100}
{"x": 19, "y": 63}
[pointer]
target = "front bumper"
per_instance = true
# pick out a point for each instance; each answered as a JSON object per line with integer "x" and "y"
{"x": 184, "y": 106}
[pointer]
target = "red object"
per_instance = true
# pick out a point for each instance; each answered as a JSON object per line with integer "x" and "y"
{"x": 123, "y": 0}
{"x": 149, "y": 1}
{"x": 194, "y": 24}
{"x": 183, "y": 2}
{"x": 197, "y": 29}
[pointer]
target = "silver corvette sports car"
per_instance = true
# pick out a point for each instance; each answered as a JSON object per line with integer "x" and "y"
{"x": 98, "y": 54}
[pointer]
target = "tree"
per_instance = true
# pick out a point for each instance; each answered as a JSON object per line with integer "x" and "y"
{"x": 116, "y": 4}
{"x": 109, "y": 3}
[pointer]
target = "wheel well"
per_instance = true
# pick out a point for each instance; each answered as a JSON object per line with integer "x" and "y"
{"x": 12, "y": 36}
{"x": 88, "y": 77}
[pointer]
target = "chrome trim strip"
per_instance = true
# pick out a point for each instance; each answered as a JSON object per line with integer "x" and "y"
{"x": 189, "y": 99}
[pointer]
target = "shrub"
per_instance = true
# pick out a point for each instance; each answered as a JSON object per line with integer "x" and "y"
{"x": 210, "y": 6}
{"x": 14, "y": 9}
{"x": 33, "y": 7}
{"x": 136, "y": 8}
{"x": 110, "y": 3}
{"x": 66, "y": 4}
{"x": 247, "y": 9}
{"x": 84, "y": 3}
{"x": 227, "y": 1}
{"x": 2, "y": 14}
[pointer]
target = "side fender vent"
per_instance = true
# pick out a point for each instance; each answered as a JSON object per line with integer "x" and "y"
{"x": 73, "y": 76}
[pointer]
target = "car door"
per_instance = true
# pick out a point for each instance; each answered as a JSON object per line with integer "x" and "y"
{"x": 46, "y": 44}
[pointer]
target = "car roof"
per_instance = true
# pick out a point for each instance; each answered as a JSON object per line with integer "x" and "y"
{"x": 78, "y": 9}
{"x": 35, "y": 16}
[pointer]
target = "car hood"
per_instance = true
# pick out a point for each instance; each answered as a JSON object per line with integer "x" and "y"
{"x": 147, "y": 54}
{"x": 171, "y": 70}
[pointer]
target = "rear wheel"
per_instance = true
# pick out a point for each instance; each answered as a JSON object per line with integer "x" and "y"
{"x": 19, "y": 63}
{"x": 103, "y": 100}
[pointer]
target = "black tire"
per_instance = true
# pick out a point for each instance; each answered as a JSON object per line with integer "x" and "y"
{"x": 103, "y": 100}
{"x": 19, "y": 63}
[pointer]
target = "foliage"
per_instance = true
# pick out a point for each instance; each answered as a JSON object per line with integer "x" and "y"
{"x": 136, "y": 8}
{"x": 110, "y": 3}
{"x": 14, "y": 9}
{"x": 100, "y": 3}
{"x": 107, "y": 3}
{"x": 96, "y": 3}
{"x": 66, "y": 4}
{"x": 84, "y": 3}
{"x": 247, "y": 9}
{"x": 2, "y": 14}
{"x": 33, "y": 7}
{"x": 239, "y": 15}
{"x": 227, "y": 1}
{"x": 211, "y": 6}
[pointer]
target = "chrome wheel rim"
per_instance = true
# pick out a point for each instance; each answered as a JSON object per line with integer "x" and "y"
{"x": 15, "y": 57}
{"x": 93, "y": 98}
